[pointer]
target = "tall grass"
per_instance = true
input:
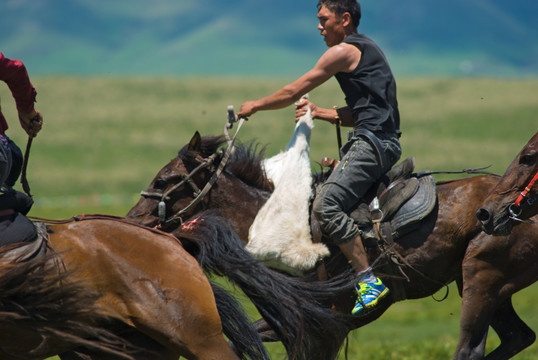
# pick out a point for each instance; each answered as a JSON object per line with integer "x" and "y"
{"x": 105, "y": 138}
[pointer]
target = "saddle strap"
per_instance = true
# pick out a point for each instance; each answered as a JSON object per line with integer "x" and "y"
{"x": 397, "y": 262}
{"x": 393, "y": 265}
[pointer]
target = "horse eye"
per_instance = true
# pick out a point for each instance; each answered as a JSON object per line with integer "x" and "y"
{"x": 160, "y": 185}
{"x": 528, "y": 159}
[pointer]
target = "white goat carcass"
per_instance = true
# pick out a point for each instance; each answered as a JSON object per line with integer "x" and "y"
{"x": 280, "y": 234}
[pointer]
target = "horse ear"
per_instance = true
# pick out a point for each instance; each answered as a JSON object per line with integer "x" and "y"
{"x": 196, "y": 142}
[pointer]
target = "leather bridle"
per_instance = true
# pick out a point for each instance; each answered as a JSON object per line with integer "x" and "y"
{"x": 523, "y": 200}
{"x": 199, "y": 195}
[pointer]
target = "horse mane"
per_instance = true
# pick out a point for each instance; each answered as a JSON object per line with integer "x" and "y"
{"x": 209, "y": 146}
{"x": 245, "y": 162}
{"x": 34, "y": 295}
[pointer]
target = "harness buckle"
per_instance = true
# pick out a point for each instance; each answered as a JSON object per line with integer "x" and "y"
{"x": 161, "y": 211}
{"x": 515, "y": 212}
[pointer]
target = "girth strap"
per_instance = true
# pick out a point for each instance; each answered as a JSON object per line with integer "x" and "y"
{"x": 395, "y": 262}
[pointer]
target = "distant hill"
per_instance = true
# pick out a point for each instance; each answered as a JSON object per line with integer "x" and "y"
{"x": 261, "y": 37}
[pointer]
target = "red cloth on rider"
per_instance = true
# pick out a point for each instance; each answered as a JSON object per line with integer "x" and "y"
{"x": 14, "y": 74}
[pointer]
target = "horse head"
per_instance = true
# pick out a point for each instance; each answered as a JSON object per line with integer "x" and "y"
{"x": 187, "y": 185}
{"x": 177, "y": 184}
{"x": 514, "y": 198}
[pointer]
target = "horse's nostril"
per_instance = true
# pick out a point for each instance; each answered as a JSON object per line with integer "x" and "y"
{"x": 483, "y": 215}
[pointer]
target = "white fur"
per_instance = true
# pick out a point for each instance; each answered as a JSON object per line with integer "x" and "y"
{"x": 280, "y": 234}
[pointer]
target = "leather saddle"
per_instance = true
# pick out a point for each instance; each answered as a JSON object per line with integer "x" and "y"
{"x": 397, "y": 203}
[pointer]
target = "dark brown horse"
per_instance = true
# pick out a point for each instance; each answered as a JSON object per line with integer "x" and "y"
{"x": 148, "y": 291}
{"x": 433, "y": 254}
{"x": 496, "y": 267}
{"x": 515, "y": 198}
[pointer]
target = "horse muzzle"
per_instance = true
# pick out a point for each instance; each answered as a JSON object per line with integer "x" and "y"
{"x": 495, "y": 224}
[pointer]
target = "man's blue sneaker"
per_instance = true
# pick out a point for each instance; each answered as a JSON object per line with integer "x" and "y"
{"x": 369, "y": 294}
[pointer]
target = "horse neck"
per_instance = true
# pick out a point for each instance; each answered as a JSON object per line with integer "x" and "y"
{"x": 460, "y": 199}
{"x": 238, "y": 201}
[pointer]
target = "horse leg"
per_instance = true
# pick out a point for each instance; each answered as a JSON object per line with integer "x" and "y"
{"x": 514, "y": 334}
{"x": 492, "y": 273}
{"x": 494, "y": 268}
{"x": 474, "y": 322}
{"x": 478, "y": 291}
{"x": 472, "y": 343}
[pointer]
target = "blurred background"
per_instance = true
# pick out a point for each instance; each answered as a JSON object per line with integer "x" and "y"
{"x": 259, "y": 37}
{"x": 124, "y": 84}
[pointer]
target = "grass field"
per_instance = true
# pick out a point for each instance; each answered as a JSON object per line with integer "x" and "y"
{"x": 105, "y": 138}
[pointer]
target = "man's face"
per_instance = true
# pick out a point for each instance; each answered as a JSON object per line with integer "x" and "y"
{"x": 331, "y": 26}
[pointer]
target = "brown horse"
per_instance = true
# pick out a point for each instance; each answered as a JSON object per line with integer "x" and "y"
{"x": 514, "y": 199}
{"x": 42, "y": 312}
{"x": 496, "y": 267}
{"x": 149, "y": 291}
{"x": 433, "y": 254}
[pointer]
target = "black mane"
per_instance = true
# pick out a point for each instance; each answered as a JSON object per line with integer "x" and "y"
{"x": 245, "y": 162}
{"x": 36, "y": 296}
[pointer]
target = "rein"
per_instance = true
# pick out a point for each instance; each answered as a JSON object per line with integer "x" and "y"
{"x": 516, "y": 208}
{"x": 199, "y": 195}
{"x": 84, "y": 217}
{"x": 24, "y": 179}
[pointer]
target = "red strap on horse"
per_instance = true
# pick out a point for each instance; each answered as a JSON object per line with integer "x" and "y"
{"x": 525, "y": 192}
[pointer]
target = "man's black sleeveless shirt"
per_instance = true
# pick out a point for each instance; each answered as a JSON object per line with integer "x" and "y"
{"x": 370, "y": 89}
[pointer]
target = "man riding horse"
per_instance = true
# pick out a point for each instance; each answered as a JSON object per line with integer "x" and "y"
{"x": 14, "y": 226}
{"x": 373, "y": 148}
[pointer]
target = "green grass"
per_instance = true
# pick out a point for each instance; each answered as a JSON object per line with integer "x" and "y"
{"x": 112, "y": 135}
{"x": 104, "y": 139}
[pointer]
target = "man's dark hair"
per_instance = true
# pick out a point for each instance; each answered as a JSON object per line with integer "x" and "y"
{"x": 339, "y": 7}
